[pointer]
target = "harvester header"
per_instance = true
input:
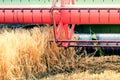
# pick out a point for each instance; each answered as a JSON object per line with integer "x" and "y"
{"x": 71, "y": 11}
{"x": 61, "y": 13}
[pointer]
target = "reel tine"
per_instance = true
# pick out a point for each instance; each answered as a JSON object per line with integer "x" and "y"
{"x": 117, "y": 52}
{"x": 103, "y": 48}
{"x": 85, "y": 51}
{"x": 85, "y": 57}
{"x": 112, "y": 53}
{"x": 107, "y": 50}
{"x": 112, "y": 50}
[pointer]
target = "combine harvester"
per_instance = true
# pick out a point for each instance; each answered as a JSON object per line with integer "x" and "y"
{"x": 93, "y": 16}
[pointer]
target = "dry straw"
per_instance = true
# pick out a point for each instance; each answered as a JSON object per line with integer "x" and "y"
{"x": 27, "y": 54}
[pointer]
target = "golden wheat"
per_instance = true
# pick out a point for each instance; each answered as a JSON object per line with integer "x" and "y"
{"x": 26, "y": 54}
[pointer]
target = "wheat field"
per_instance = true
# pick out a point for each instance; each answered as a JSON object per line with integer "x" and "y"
{"x": 107, "y": 75}
{"x": 27, "y": 54}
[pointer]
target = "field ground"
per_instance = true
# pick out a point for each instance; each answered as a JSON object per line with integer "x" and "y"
{"x": 99, "y": 68}
{"x": 106, "y": 75}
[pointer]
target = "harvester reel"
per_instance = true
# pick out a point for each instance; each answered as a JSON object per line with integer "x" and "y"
{"x": 62, "y": 13}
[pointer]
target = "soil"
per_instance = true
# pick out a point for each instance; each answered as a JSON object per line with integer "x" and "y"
{"x": 99, "y": 64}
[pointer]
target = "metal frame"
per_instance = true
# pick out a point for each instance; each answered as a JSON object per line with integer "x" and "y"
{"x": 62, "y": 29}
{"x": 77, "y": 43}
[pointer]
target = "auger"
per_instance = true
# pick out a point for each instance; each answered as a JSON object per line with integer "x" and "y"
{"x": 103, "y": 16}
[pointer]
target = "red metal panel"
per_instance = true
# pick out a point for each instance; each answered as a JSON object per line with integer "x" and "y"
{"x": 46, "y": 17}
{"x": 94, "y": 17}
{"x": 37, "y": 16}
{"x": 104, "y": 14}
{"x": 114, "y": 16}
{"x": 15, "y": 16}
{"x": 1, "y": 16}
{"x": 18, "y": 16}
{"x": 57, "y": 16}
{"x": 67, "y": 16}
{"x": 27, "y": 14}
{"x": 84, "y": 17}
{"x": 9, "y": 16}
{"x": 75, "y": 16}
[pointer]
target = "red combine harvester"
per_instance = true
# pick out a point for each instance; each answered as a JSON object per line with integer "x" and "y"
{"x": 101, "y": 14}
